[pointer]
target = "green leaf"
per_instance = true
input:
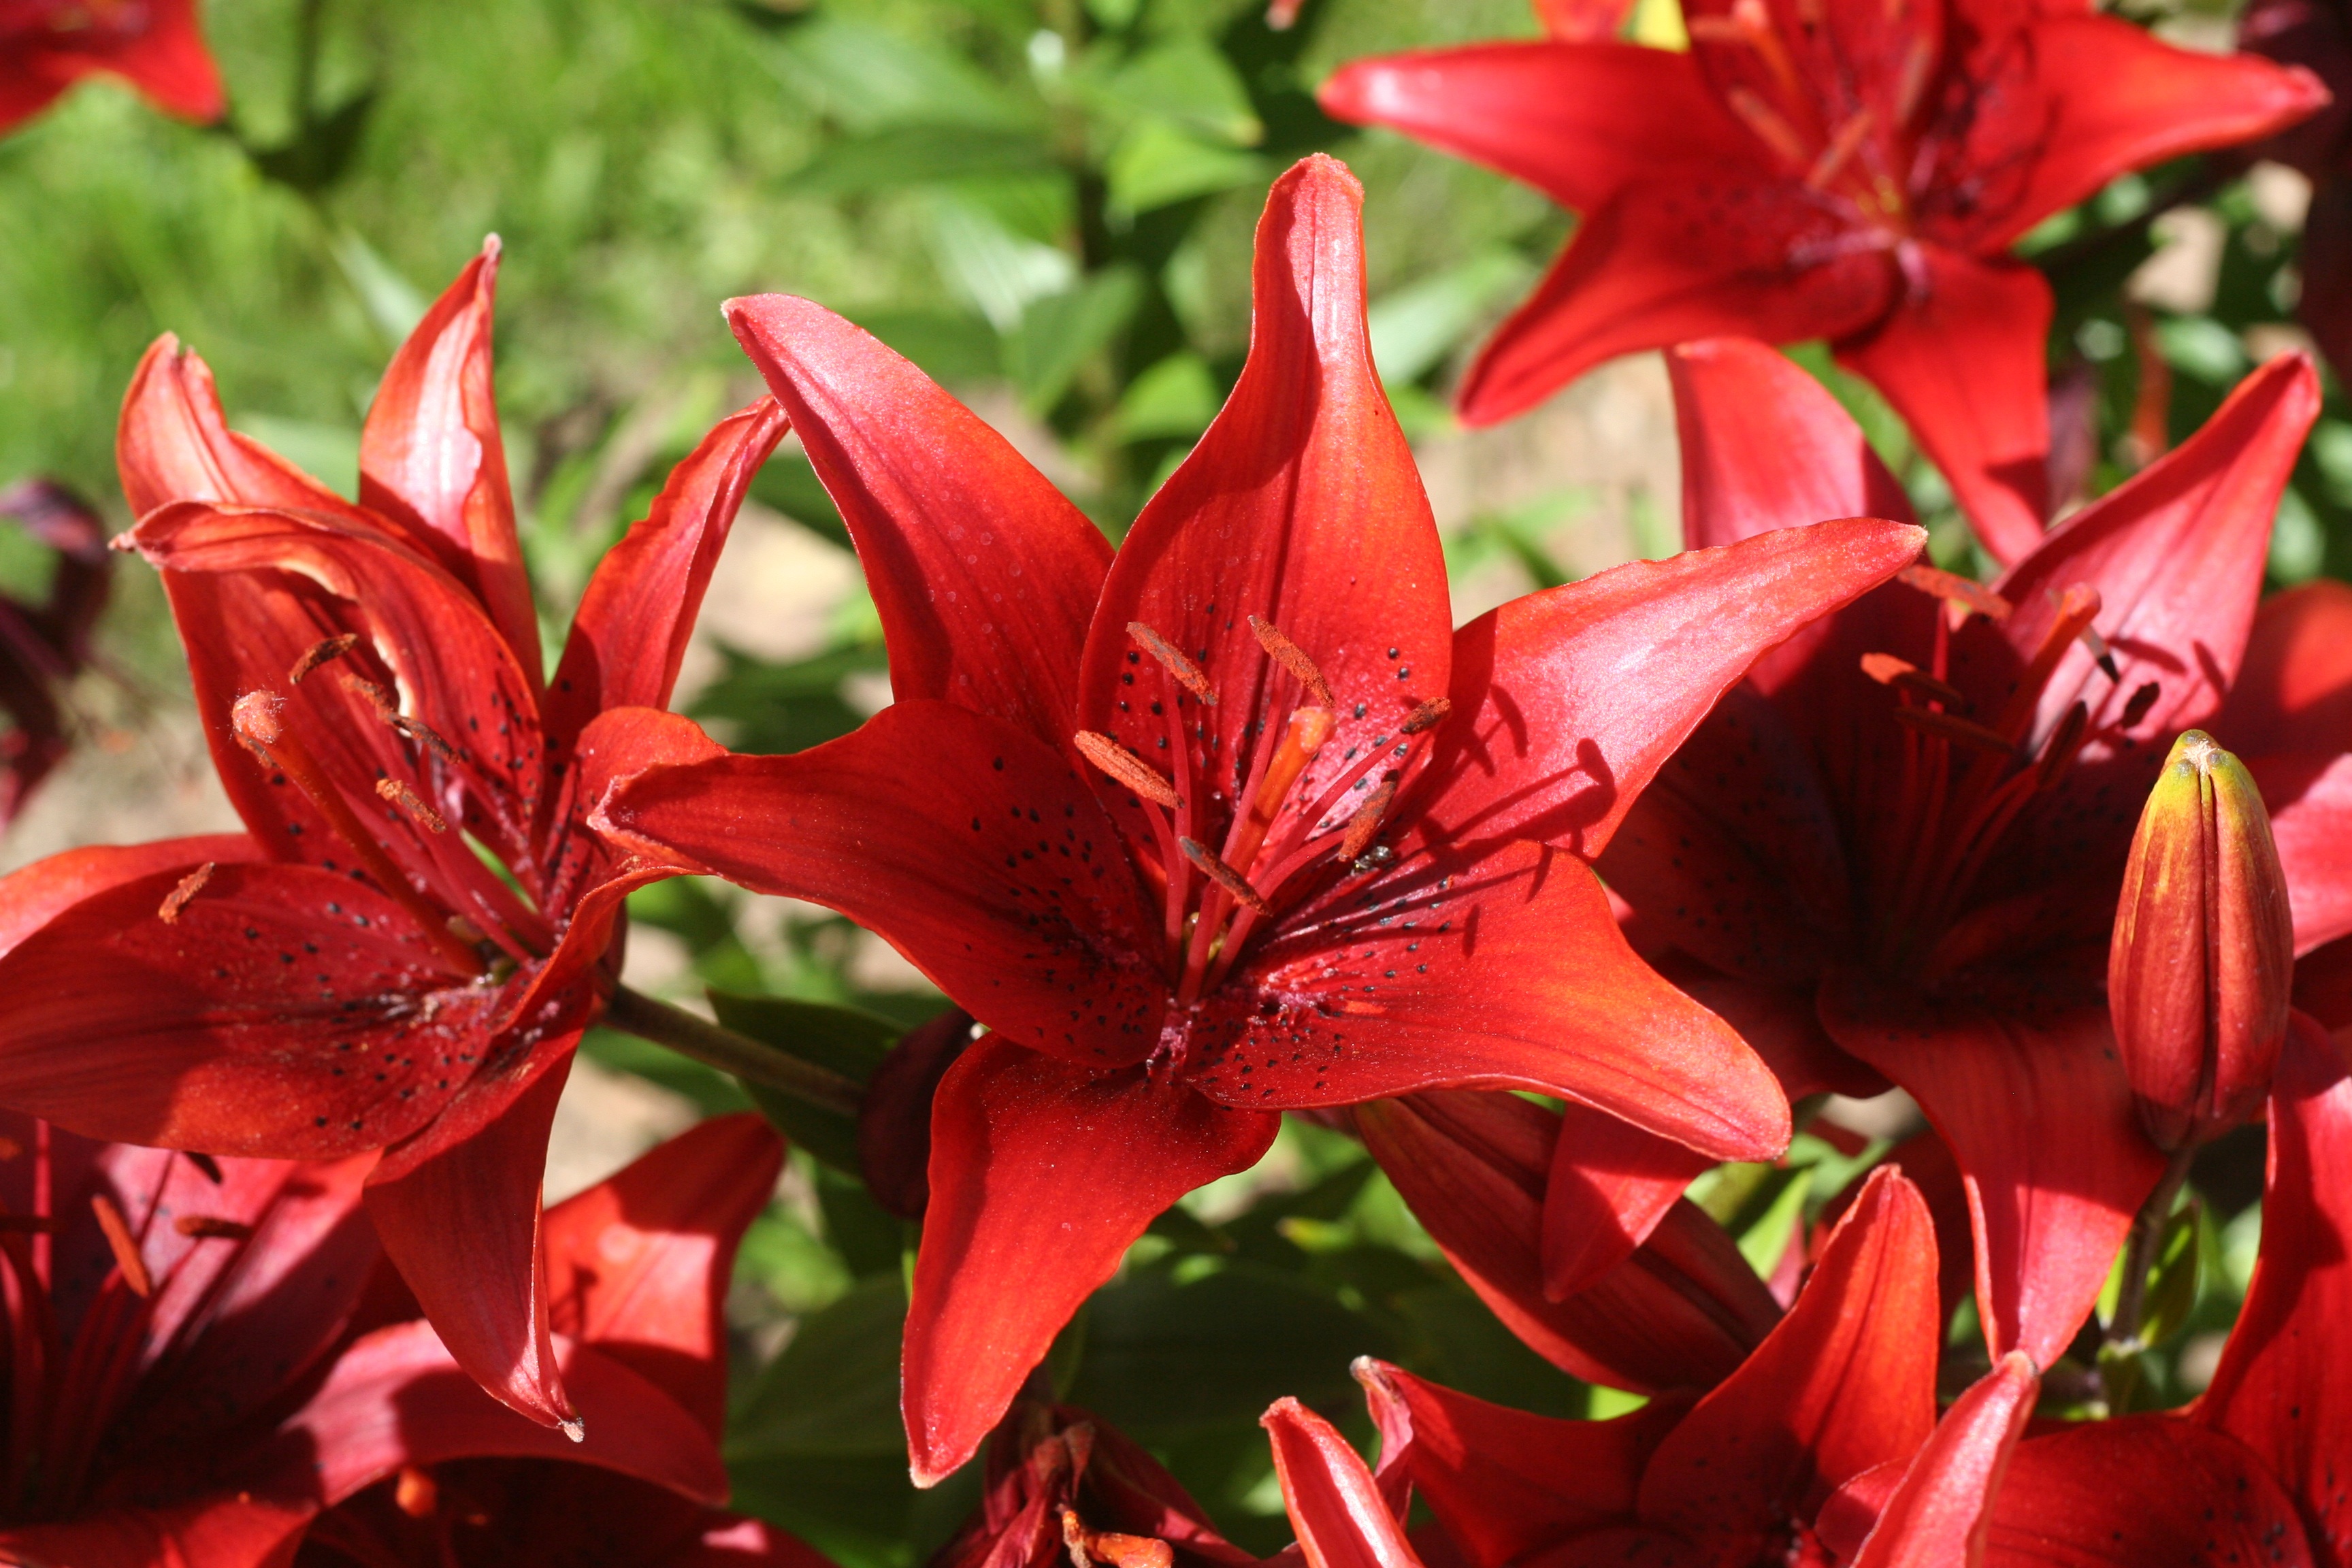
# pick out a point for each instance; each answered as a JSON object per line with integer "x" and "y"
{"x": 1158, "y": 164}
{"x": 2201, "y": 348}
{"x": 948, "y": 347}
{"x": 1187, "y": 82}
{"x": 1465, "y": 1346}
{"x": 2172, "y": 1280}
{"x": 788, "y": 482}
{"x": 778, "y": 708}
{"x": 1060, "y": 332}
{"x": 910, "y": 155}
{"x": 1165, "y": 1358}
{"x": 1177, "y": 396}
{"x": 834, "y": 1391}
{"x": 849, "y": 1041}
{"x": 1763, "y": 1242}
{"x": 869, "y": 78}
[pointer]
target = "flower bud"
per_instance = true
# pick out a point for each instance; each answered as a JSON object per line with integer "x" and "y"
{"x": 2202, "y": 958}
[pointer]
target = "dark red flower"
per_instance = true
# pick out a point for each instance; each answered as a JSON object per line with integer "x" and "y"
{"x": 44, "y": 645}
{"x": 157, "y": 1305}
{"x": 2318, "y": 35}
{"x": 1842, "y": 169}
{"x": 1235, "y": 823}
{"x": 1844, "y": 1385}
{"x": 349, "y": 974}
{"x": 1909, "y": 829}
{"x": 2253, "y": 1472}
{"x": 1062, "y": 1486}
{"x": 46, "y": 46}
{"x": 412, "y": 1464}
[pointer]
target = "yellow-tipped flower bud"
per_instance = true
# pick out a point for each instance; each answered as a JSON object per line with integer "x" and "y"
{"x": 2203, "y": 959}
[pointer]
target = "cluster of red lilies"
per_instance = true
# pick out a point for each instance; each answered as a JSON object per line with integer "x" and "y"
{"x": 1553, "y": 910}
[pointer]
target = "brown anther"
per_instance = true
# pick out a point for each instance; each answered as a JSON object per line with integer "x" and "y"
{"x": 387, "y": 710}
{"x": 1367, "y": 820}
{"x": 1947, "y": 727}
{"x": 1428, "y": 716}
{"x": 1088, "y": 1547}
{"x": 1292, "y": 657}
{"x": 374, "y": 696}
{"x": 168, "y": 911}
{"x": 2059, "y": 752}
{"x": 206, "y": 1166}
{"x": 398, "y": 794}
{"x": 1954, "y": 589}
{"x": 1223, "y": 876}
{"x": 126, "y": 1250}
{"x": 2136, "y": 707}
{"x": 1900, "y": 673}
{"x": 1125, "y": 767}
{"x": 465, "y": 929}
{"x": 1188, "y": 674}
{"x": 318, "y": 653}
{"x": 416, "y": 1493}
{"x": 211, "y": 1228}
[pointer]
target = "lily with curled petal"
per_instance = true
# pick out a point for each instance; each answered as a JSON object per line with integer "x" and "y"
{"x": 157, "y": 1305}
{"x": 1844, "y": 1385}
{"x": 1852, "y": 170}
{"x": 1235, "y": 822}
{"x": 2253, "y": 1472}
{"x": 1897, "y": 849}
{"x": 349, "y": 974}
{"x": 411, "y": 1464}
{"x": 46, "y": 46}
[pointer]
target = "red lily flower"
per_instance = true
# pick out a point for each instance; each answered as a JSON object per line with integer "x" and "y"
{"x": 413, "y": 1465}
{"x": 44, "y": 645}
{"x": 2253, "y": 1472}
{"x": 1911, "y": 833}
{"x": 1093, "y": 765}
{"x": 46, "y": 46}
{"x": 1851, "y": 171}
{"x": 156, "y": 1306}
{"x": 1845, "y": 1383}
{"x": 348, "y": 975}
{"x": 1063, "y": 1487}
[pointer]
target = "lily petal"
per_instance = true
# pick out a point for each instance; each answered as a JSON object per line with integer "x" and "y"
{"x": 31, "y": 896}
{"x": 2036, "y": 1108}
{"x": 1567, "y": 702}
{"x": 229, "y": 1532}
{"x": 163, "y": 57}
{"x": 1042, "y": 1175}
{"x": 2294, "y": 687}
{"x": 2311, "y": 822}
{"x": 1941, "y": 1513}
{"x": 432, "y": 462}
{"x": 1765, "y": 446}
{"x": 458, "y": 1210}
{"x": 173, "y": 444}
{"x": 1301, "y": 506}
{"x": 2154, "y": 1491}
{"x": 1335, "y": 1507}
{"x": 1961, "y": 359}
{"x": 1847, "y": 1381}
{"x": 1506, "y": 969}
{"x": 1704, "y": 254}
{"x": 397, "y": 1398}
{"x": 1610, "y": 1184}
{"x": 638, "y": 1265}
{"x": 2176, "y": 553}
{"x": 630, "y": 632}
{"x": 1506, "y": 1484}
{"x": 222, "y": 1029}
{"x": 1578, "y": 121}
{"x": 969, "y": 846}
{"x": 2118, "y": 100}
{"x": 984, "y": 575}
{"x": 1682, "y": 1311}
{"x": 2281, "y": 1387}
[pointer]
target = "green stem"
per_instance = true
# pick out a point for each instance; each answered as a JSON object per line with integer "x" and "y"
{"x": 2140, "y": 1253}
{"x": 739, "y": 1055}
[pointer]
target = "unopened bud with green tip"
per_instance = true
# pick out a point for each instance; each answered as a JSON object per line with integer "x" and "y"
{"x": 2202, "y": 960}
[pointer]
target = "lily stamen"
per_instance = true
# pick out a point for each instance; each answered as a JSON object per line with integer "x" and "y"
{"x": 1188, "y": 674}
{"x": 396, "y": 793}
{"x": 1236, "y": 885}
{"x": 119, "y": 1241}
{"x": 259, "y": 720}
{"x": 1288, "y": 654}
{"x": 319, "y": 653}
